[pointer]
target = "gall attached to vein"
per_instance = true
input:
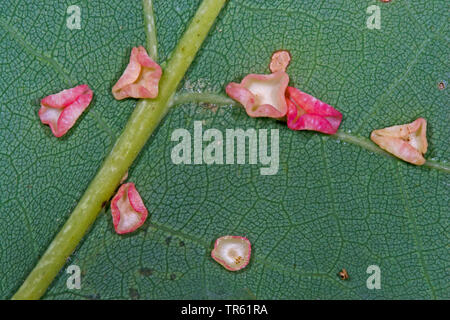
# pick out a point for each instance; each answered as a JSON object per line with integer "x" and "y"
{"x": 407, "y": 142}
{"x": 140, "y": 78}
{"x": 270, "y": 96}
{"x": 127, "y": 209}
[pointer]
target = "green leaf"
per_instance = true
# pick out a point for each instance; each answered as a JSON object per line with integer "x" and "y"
{"x": 336, "y": 202}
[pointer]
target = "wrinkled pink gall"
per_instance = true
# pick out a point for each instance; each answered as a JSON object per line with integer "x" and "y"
{"x": 261, "y": 95}
{"x": 127, "y": 209}
{"x": 280, "y": 61}
{"x": 141, "y": 77}
{"x": 308, "y": 113}
{"x": 232, "y": 252}
{"x": 407, "y": 142}
{"x": 61, "y": 110}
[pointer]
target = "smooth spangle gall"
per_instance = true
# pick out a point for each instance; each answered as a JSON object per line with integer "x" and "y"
{"x": 407, "y": 142}
{"x": 232, "y": 252}
{"x": 127, "y": 209}
{"x": 140, "y": 78}
{"x": 308, "y": 113}
{"x": 343, "y": 274}
{"x": 280, "y": 61}
{"x": 61, "y": 110}
{"x": 261, "y": 95}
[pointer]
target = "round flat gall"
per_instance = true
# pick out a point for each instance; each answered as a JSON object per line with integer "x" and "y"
{"x": 232, "y": 252}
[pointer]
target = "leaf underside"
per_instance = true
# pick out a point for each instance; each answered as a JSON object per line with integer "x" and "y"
{"x": 333, "y": 204}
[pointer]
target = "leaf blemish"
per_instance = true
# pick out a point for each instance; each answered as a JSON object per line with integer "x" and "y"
{"x": 146, "y": 272}
{"x": 134, "y": 294}
{"x": 343, "y": 274}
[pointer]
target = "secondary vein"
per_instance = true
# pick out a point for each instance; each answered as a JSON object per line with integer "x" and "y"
{"x": 365, "y": 143}
{"x": 150, "y": 29}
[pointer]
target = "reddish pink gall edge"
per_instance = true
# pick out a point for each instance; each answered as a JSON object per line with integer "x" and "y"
{"x": 280, "y": 61}
{"x": 232, "y": 252}
{"x": 140, "y": 78}
{"x": 407, "y": 142}
{"x": 61, "y": 110}
{"x": 261, "y": 95}
{"x": 308, "y": 113}
{"x": 127, "y": 209}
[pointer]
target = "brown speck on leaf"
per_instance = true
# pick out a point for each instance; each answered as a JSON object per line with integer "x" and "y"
{"x": 146, "y": 272}
{"x": 441, "y": 85}
{"x": 211, "y": 107}
{"x": 343, "y": 274}
{"x": 134, "y": 294}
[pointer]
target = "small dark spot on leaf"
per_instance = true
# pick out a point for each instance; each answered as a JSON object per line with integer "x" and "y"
{"x": 442, "y": 85}
{"x": 168, "y": 240}
{"x": 146, "y": 272}
{"x": 134, "y": 294}
{"x": 103, "y": 204}
{"x": 173, "y": 276}
{"x": 343, "y": 274}
{"x": 210, "y": 106}
{"x": 182, "y": 244}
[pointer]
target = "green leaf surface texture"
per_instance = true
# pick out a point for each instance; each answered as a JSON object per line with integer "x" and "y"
{"x": 336, "y": 201}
